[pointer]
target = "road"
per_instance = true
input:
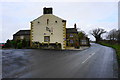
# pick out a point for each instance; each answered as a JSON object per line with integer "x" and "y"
{"x": 95, "y": 62}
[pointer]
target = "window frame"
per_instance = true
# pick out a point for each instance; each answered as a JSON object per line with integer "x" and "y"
{"x": 71, "y": 35}
{"x": 46, "y": 40}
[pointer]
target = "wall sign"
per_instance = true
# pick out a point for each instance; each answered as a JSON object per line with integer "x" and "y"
{"x": 48, "y": 29}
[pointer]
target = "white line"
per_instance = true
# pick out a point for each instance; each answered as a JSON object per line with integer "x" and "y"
{"x": 88, "y": 58}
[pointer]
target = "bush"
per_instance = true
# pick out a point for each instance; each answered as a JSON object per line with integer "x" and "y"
{"x": 19, "y": 45}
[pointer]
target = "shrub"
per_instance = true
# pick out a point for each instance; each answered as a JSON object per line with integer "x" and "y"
{"x": 19, "y": 45}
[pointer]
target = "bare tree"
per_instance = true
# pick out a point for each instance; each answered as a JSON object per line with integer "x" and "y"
{"x": 97, "y": 33}
{"x": 112, "y": 35}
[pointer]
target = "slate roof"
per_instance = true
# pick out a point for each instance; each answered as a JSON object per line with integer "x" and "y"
{"x": 22, "y": 32}
{"x": 71, "y": 30}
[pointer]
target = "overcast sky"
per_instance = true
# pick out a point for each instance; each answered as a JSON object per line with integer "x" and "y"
{"x": 87, "y": 15}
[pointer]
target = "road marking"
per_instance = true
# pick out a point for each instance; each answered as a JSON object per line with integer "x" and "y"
{"x": 88, "y": 58}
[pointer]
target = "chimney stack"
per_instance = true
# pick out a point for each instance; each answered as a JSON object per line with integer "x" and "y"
{"x": 75, "y": 26}
{"x": 47, "y": 10}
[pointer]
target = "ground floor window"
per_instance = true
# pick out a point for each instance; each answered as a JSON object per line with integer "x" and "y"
{"x": 83, "y": 42}
{"x": 71, "y": 41}
{"x": 46, "y": 38}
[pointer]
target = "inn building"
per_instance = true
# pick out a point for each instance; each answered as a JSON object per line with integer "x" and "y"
{"x": 48, "y": 30}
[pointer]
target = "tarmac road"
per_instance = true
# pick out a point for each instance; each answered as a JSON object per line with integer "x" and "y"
{"x": 95, "y": 62}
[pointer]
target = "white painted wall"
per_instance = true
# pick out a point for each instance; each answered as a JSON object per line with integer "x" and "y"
{"x": 40, "y": 28}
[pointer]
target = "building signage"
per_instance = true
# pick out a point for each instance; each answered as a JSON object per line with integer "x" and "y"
{"x": 48, "y": 29}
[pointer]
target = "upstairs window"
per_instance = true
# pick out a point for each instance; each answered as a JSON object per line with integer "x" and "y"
{"x": 21, "y": 37}
{"x": 71, "y": 35}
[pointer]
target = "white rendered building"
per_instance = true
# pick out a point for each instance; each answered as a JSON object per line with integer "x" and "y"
{"x": 48, "y": 30}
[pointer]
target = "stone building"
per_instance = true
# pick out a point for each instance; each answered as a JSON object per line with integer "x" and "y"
{"x": 73, "y": 39}
{"x": 48, "y": 30}
{"x": 84, "y": 41}
{"x": 22, "y": 34}
{"x": 72, "y": 36}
